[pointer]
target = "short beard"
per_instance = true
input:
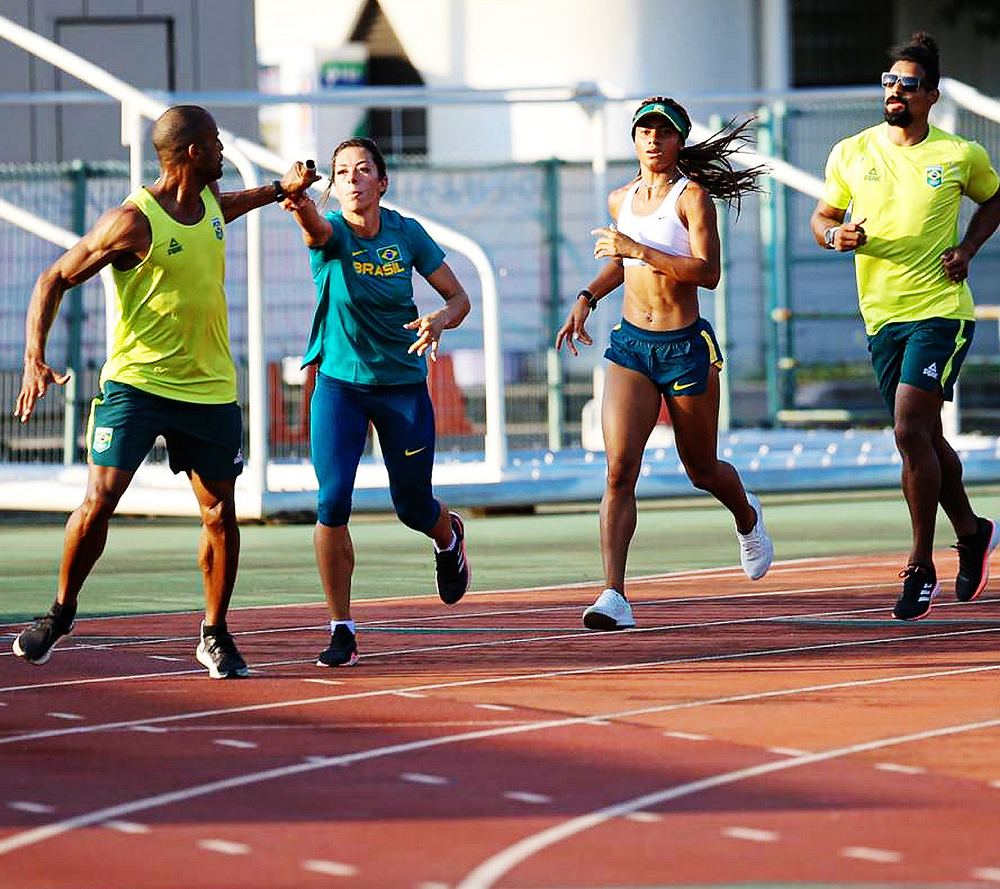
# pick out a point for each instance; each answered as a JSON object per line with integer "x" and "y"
{"x": 901, "y": 117}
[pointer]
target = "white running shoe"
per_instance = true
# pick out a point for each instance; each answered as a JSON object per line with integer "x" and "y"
{"x": 611, "y": 611}
{"x": 756, "y": 546}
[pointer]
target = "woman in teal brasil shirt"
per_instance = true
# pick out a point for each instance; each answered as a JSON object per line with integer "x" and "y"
{"x": 370, "y": 346}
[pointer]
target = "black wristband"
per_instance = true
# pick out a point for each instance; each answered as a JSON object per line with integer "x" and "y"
{"x": 279, "y": 193}
{"x": 589, "y": 297}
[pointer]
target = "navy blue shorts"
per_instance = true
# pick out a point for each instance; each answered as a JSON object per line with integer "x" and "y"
{"x": 403, "y": 417}
{"x": 204, "y": 438}
{"x": 926, "y": 354}
{"x": 676, "y": 360}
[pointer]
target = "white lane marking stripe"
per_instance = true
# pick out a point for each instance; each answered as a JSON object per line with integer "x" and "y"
{"x": 686, "y": 736}
{"x": 895, "y": 767}
{"x": 226, "y": 847}
{"x": 553, "y": 674}
{"x": 987, "y": 873}
{"x": 587, "y": 635}
{"x": 786, "y": 751}
{"x": 40, "y": 834}
{"x": 232, "y": 742}
{"x": 409, "y": 694}
{"x": 58, "y": 715}
{"x": 864, "y": 853}
{"x": 752, "y": 834}
{"x": 522, "y": 796}
{"x": 126, "y": 826}
{"x": 162, "y": 657}
{"x": 644, "y": 816}
{"x": 493, "y": 707}
{"x": 325, "y": 681}
{"x": 27, "y": 806}
{"x": 329, "y": 868}
{"x": 420, "y": 778}
{"x": 495, "y": 867}
{"x": 152, "y": 729}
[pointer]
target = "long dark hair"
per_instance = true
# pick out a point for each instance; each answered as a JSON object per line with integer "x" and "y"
{"x": 369, "y": 145}
{"x": 708, "y": 164}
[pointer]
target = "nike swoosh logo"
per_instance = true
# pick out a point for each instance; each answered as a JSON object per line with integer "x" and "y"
{"x": 680, "y": 387}
{"x": 410, "y": 453}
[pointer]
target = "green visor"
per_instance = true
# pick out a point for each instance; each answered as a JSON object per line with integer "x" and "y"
{"x": 661, "y": 110}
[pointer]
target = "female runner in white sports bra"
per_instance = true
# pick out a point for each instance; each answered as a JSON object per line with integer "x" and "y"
{"x": 663, "y": 246}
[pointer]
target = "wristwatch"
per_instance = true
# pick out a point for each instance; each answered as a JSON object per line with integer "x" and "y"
{"x": 829, "y": 235}
{"x": 279, "y": 193}
{"x": 589, "y": 297}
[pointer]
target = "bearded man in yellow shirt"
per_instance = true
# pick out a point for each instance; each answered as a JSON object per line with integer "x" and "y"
{"x": 903, "y": 182}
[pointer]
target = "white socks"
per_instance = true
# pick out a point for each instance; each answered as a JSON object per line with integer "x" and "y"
{"x": 347, "y": 623}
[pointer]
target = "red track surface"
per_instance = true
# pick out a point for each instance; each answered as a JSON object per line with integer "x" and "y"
{"x": 786, "y": 731}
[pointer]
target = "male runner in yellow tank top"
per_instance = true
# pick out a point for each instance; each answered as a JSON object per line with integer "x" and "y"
{"x": 170, "y": 371}
{"x": 904, "y": 181}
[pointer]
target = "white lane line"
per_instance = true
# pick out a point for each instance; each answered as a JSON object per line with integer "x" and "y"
{"x": 752, "y": 834}
{"x": 164, "y": 657}
{"x": 226, "y": 847}
{"x": 431, "y": 884}
{"x": 420, "y": 778}
{"x": 493, "y": 707}
{"x": 152, "y": 729}
{"x": 58, "y": 715}
{"x": 901, "y": 769}
{"x": 647, "y": 817}
{"x": 987, "y": 873}
{"x": 409, "y": 694}
{"x": 329, "y": 868}
{"x": 597, "y": 721}
{"x": 686, "y": 736}
{"x": 523, "y": 796}
{"x": 492, "y": 869}
{"x": 27, "y": 806}
{"x": 129, "y": 827}
{"x": 552, "y": 674}
{"x": 786, "y": 751}
{"x": 325, "y": 681}
{"x": 232, "y": 742}
{"x": 312, "y": 763}
{"x": 879, "y": 856}
{"x": 584, "y": 635}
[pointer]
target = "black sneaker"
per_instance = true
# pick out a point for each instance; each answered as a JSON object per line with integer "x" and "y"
{"x": 974, "y": 560}
{"x": 452, "y": 567}
{"x": 920, "y": 586}
{"x": 35, "y": 644}
{"x": 217, "y": 650}
{"x": 343, "y": 650}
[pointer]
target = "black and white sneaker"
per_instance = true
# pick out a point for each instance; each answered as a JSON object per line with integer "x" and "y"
{"x": 452, "y": 567}
{"x": 218, "y": 652}
{"x": 343, "y": 650}
{"x": 920, "y": 586}
{"x": 35, "y": 643}
{"x": 974, "y": 559}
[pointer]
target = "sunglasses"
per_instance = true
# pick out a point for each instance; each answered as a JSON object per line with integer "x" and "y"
{"x": 907, "y": 83}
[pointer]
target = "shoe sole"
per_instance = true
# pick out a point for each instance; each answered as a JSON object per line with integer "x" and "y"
{"x": 994, "y": 540}
{"x": 595, "y": 620}
{"x": 355, "y": 657}
{"x": 215, "y": 673}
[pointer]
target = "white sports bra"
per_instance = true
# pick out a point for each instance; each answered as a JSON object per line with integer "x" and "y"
{"x": 662, "y": 229}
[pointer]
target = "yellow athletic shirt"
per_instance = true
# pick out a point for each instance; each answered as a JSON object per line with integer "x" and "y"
{"x": 172, "y": 333}
{"x": 908, "y": 197}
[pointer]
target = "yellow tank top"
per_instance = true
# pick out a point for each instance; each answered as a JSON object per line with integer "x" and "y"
{"x": 172, "y": 333}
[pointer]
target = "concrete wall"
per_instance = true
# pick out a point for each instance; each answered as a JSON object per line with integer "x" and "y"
{"x": 152, "y": 44}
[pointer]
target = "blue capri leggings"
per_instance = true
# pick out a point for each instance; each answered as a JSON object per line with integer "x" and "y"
{"x": 403, "y": 417}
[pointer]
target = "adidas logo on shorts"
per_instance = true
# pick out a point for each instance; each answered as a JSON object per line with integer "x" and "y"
{"x": 931, "y": 371}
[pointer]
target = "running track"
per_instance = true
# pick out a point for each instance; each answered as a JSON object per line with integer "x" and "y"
{"x": 784, "y": 731}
